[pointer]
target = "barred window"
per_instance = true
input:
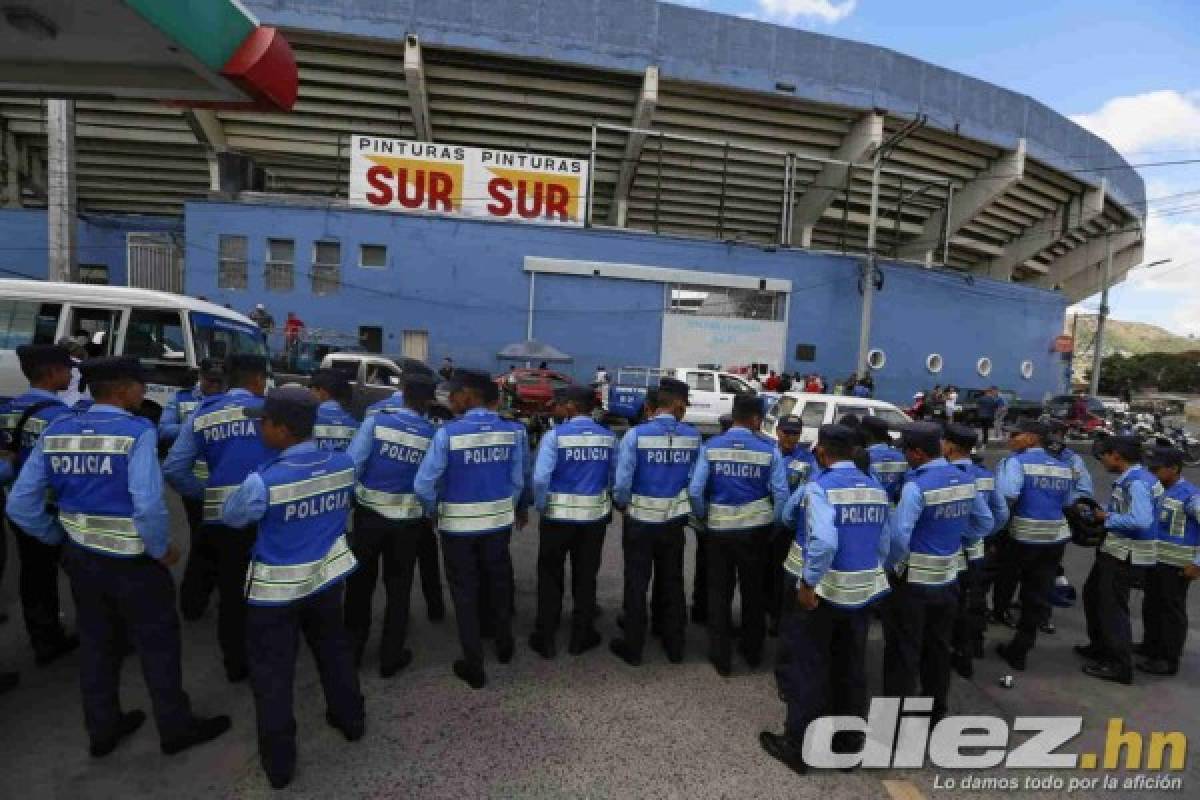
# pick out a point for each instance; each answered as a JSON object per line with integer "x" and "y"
{"x": 326, "y": 267}
{"x": 280, "y": 272}
{"x": 231, "y": 262}
{"x": 723, "y": 301}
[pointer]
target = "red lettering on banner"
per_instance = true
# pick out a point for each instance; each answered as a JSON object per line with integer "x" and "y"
{"x": 502, "y": 206}
{"x": 529, "y": 199}
{"x": 378, "y": 177}
{"x": 410, "y": 195}
{"x": 441, "y": 186}
{"x": 557, "y": 198}
{"x": 533, "y": 209}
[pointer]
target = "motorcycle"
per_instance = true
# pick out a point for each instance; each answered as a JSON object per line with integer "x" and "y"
{"x": 1183, "y": 441}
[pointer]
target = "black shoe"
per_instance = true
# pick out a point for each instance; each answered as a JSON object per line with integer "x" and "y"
{"x": 236, "y": 674}
{"x": 1011, "y": 657}
{"x": 1158, "y": 666}
{"x": 9, "y": 681}
{"x": 436, "y": 613}
{"x": 389, "y": 668}
{"x": 505, "y": 649}
{"x": 204, "y": 729}
{"x": 62, "y": 647}
{"x": 620, "y": 648}
{"x": 473, "y": 676}
{"x": 280, "y": 777}
{"x": 722, "y": 666}
{"x": 541, "y": 645}
{"x": 129, "y": 722}
{"x": 352, "y": 732}
{"x": 963, "y": 665}
{"x": 1048, "y": 628}
{"x": 783, "y": 748}
{"x": 1091, "y": 652}
{"x": 582, "y": 642}
{"x": 1109, "y": 672}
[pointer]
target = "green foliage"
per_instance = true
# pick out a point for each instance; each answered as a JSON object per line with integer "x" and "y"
{"x": 1167, "y": 372}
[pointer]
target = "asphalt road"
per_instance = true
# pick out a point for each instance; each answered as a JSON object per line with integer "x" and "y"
{"x": 586, "y": 726}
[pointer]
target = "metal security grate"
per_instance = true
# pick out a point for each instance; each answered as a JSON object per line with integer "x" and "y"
{"x": 155, "y": 262}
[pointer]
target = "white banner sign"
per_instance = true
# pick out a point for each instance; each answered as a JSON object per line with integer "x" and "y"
{"x": 399, "y": 175}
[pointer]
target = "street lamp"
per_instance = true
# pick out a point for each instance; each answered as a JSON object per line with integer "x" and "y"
{"x": 1098, "y": 339}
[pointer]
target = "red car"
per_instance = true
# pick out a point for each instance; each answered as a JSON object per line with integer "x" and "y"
{"x": 530, "y": 391}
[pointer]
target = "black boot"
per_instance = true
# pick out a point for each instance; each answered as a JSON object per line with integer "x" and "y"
{"x": 783, "y": 748}
{"x": 129, "y": 722}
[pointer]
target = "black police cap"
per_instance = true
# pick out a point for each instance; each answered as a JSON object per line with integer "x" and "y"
{"x": 583, "y": 396}
{"x": 792, "y": 423}
{"x": 1128, "y": 447}
{"x": 293, "y": 406}
{"x": 962, "y": 435}
{"x": 331, "y": 380}
{"x": 1033, "y": 426}
{"x": 746, "y": 405}
{"x": 419, "y": 386}
{"x": 470, "y": 379}
{"x": 673, "y": 387}
{"x": 725, "y": 421}
{"x": 923, "y": 436}
{"x": 836, "y": 434}
{"x": 43, "y": 355}
{"x": 1165, "y": 457}
{"x": 114, "y": 368}
{"x": 210, "y": 369}
{"x": 876, "y": 426}
{"x": 246, "y": 362}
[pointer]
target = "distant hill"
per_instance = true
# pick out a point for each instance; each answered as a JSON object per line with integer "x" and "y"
{"x": 1130, "y": 338}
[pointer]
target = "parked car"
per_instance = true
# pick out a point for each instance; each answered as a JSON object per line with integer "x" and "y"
{"x": 710, "y": 393}
{"x": 1016, "y": 407}
{"x": 532, "y": 390}
{"x": 822, "y": 409}
{"x": 374, "y": 377}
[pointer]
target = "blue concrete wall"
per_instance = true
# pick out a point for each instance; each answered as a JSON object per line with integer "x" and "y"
{"x": 697, "y": 45}
{"x": 463, "y": 282}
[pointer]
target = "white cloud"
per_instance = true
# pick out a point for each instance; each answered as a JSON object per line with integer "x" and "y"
{"x": 1140, "y": 122}
{"x": 828, "y": 11}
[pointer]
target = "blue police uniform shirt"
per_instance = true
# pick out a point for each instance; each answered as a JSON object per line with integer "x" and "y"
{"x": 985, "y": 484}
{"x": 301, "y": 502}
{"x": 1131, "y": 517}
{"x": 335, "y": 426}
{"x": 12, "y": 411}
{"x": 939, "y": 513}
{"x": 654, "y": 465}
{"x": 178, "y": 409}
{"x": 387, "y": 451}
{"x": 1177, "y": 525}
{"x": 888, "y": 466}
{"x": 739, "y": 481}
{"x": 574, "y": 470}
{"x": 473, "y": 475}
{"x": 393, "y": 403}
{"x": 526, "y": 497}
{"x": 1041, "y": 486}
{"x": 103, "y": 467}
{"x": 801, "y": 465}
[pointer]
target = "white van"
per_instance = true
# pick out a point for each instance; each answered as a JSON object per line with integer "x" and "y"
{"x": 170, "y": 333}
{"x": 822, "y": 409}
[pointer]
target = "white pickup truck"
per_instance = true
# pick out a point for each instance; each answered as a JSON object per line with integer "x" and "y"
{"x": 710, "y": 393}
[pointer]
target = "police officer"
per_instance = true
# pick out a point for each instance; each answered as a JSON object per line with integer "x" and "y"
{"x": 389, "y": 523}
{"x": 823, "y": 635}
{"x": 971, "y": 620}
{"x": 300, "y": 503}
{"x": 102, "y": 466}
{"x": 572, "y": 483}
{"x": 227, "y": 439}
{"x": 654, "y": 463}
{"x": 200, "y": 573}
{"x": 888, "y": 464}
{"x": 800, "y": 465}
{"x": 335, "y": 425}
{"x": 1037, "y": 487}
{"x": 1127, "y": 549}
{"x": 472, "y": 478}
{"x": 739, "y": 488}
{"x": 940, "y": 512}
{"x": 48, "y": 370}
{"x": 1177, "y": 534}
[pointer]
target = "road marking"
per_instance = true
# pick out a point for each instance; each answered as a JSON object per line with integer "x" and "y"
{"x": 903, "y": 790}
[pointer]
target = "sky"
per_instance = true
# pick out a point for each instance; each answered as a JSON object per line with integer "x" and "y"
{"x": 1128, "y": 71}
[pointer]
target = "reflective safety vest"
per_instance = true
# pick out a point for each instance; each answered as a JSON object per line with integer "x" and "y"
{"x": 1137, "y": 546}
{"x": 739, "y": 475}
{"x": 985, "y": 484}
{"x": 666, "y": 451}
{"x": 301, "y": 546}
{"x": 1037, "y": 517}
{"x": 855, "y": 578}
{"x": 87, "y": 463}
{"x": 1177, "y": 533}
{"x": 390, "y": 405}
{"x": 801, "y": 464}
{"x": 477, "y": 492}
{"x": 231, "y": 445}
{"x": 936, "y": 546}
{"x": 888, "y": 466}
{"x": 10, "y": 417}
{"x": 335, "y": 427}
{"x": 187, "y": 401}
{"x": 399, "y": 442}
{"x": 579, "y": 487}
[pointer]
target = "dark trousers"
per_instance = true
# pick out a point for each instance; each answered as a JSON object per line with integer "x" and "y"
{"x": 273, "y": 642}
{"x": 429, "y": 568}
{"x": 736, "y": 559}
{"x": 1106, "y": 606}
{"x": 656, "y": 549}
{"x": 37, "y": 585}
{"x": 985, "y": 427}
{"x": 971, "y": 619}
{"x": 1005, "y": 574}
{"x": 584, "y": 544}
{"x": 778, "y": 544}
{"x": 120, "y": 601}
{"x": 1034, "y": 566}
{"x": 917, "y": 624}
{"x": 1164, "y": 613}
{"x": 821, "y": 667}
{"x": 200, "y": 573}
{"x": 699, "y": 576}
{"x": 472, "y": 560}
{"x": 394, "y": 542}
{"x": 232, "y": 547}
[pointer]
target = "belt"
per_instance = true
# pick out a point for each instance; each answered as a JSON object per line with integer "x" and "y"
{"x": 1038, "y": 531}
{"x": 927, "y": 569}
{"x": 852, "y": 589}
{"x": 269, "y": 584}
{"x": 567, "y": 507}
{"x": 475, "y": 517}
{"x": 1176, "y": 555}
{"x": 214, "y": 501}
{"x": 657, "y": 510}
{"x": 114, "y": 535}
{"x": 392, "y": 505}
{"x": 1140, "y": 552}
{"x": 748, "y": 515}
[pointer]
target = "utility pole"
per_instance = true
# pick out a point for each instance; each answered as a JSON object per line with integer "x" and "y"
{"x": 1098, "y": 339}
{"x": 63, "y": 261}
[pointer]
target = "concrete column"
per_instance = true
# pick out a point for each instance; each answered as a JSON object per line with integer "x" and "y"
{"x": 12, "y": 172}
{"x": 63, "y": 261}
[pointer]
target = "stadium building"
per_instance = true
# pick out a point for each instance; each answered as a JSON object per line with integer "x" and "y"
{"x": 630, "y": 181}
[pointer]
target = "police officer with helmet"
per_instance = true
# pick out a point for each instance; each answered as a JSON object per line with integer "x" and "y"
{"x": 572, "y": 481}
{"x": 739, "y": 488}
{"x": 472, "y": 479}
{"x": 335, "y": 425}
{"x": 102, "y": 465}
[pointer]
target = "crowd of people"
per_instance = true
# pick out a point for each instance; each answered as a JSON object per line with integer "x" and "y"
{"x": 295, "y": 507}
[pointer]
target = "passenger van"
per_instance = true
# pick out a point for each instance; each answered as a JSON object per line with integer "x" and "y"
{"x": 170, "y": 333}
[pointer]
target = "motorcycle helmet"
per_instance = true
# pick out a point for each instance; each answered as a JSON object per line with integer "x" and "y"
{"x": 1086, "y": 529}
{"x": 1063, "y": 594}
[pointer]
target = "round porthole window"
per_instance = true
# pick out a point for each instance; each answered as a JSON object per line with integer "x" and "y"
{"x": 876, "y": 359}
{"x": 1026, "y": 369}
{"x": 934, "y": 363}
{"x": 984, "y": 366}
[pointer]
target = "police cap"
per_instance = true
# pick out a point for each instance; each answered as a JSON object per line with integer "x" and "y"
{"x": 673, "y": 387}
{"x": 294, "y": 407}
{"x": 1033, "y": 426}
{"x": 1127, "y": 447}
{"x": 115, "y": 368}
{"x": 837, "y": 435}
{"x": 962, "y": 435}
{"x": 419, "y": 386}
{"x": 746, "y": 405}
{"x": 470, "y": 379}
{"x": 792, "y": 423}
{"x": 333, "y": 381}
{"x": 210, "y": 369}
{"x": 877, "y": 427}
{"x": 725, "y": 421}
{"x": 36, "y": 356}
{"x": 580, "y": 395}
{"x": 923, "y": 436}
{"x": 652, "y": 397}
{"x": 246, "y": 362}
{"x": 1165, "y": 457}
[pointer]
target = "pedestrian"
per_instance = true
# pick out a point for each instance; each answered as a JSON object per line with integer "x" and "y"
{"x": 654, "y": 463}
{"x": 447, "y": 368}
{"x": 800, "y": 465}
{"x": 1177, "y": 534}
{"x": 335, "y": 426}
{"x": 1001, "y": 413}
{"x": 950, "y": 400}
{"x": 262, "y": 318}
{"x": 985, "y": 412}
{"x": 1128, "y": 548}
{"x": 293, "y": 329}
{"x": 299, "y": 502}
{"x": 102, "y": 466}
{"x": 228, "y": 440}
{"x": 48, "y": 370}
{"x": 888, "y": 464}
{"x": 939, "y": 513}
{"x": 771, "y": 384}
{"x": 834, "y": 580}
{"x": 472, "y": 478}
{"x": 572, "y": 483}
{"x": 738, "y": 489}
